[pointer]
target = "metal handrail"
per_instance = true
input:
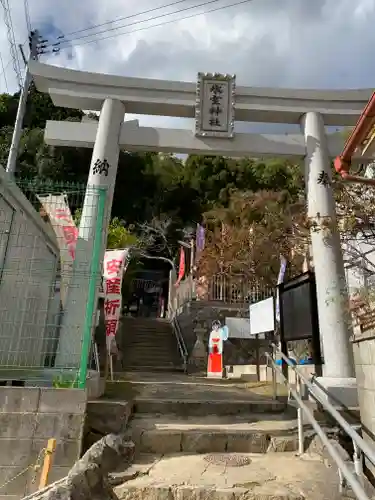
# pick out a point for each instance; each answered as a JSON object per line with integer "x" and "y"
{"x": 173, "y": 306}
{"x": 344, "y": 469}
{"x": 357, "y": 439}
{"x": 180, "y": 342}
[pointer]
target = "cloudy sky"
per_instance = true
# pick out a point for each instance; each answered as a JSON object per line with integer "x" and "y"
{"x": 281, "y": 43}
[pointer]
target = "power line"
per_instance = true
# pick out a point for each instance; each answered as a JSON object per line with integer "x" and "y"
{"x": 27, "y": 15}
{"x": 3, "y": 71}
{"x": 242, "y": 2}
{"x": 122, "y": 18}
{"x": 141, "y": 21}
{"x": 12, "y": 41}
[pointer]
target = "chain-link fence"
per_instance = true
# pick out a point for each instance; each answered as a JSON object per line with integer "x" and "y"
{"x": 49, "y": 272}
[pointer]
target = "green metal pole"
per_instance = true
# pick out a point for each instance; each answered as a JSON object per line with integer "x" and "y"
{"x": 92, "y": 302}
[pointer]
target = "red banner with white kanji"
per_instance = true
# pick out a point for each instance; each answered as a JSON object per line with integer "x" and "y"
{"x": 114, "y": 266}
{"x": 181, "y": 268}
{"x": 58, "y": 211}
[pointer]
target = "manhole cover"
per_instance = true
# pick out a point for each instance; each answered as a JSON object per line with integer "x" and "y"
{"x": 228, "y": 460}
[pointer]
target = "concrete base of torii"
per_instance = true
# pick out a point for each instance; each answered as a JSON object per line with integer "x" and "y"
{"x": 339, "y": 391}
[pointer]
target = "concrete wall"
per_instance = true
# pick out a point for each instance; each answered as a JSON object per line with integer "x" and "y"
{"x": 195, "y": 320}
{"x": 28, "y": 418}
{"x": 28, "y": 266}
{"x": 364, "y": 359}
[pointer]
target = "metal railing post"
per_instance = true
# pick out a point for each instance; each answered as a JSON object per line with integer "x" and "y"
{"x": 357, "y": 456}
{"x": 346, "y": 475}
{"x": 363, "y": 445}
{"x": 274, "y": 383}
{"x": 301, "y": 438}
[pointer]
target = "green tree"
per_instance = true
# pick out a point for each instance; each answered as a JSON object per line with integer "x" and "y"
{"x": 214, "y": 178}
{"x": 8, "y": 109}
{"x": 119, "y": 236}
{"x": 247, "y": 237}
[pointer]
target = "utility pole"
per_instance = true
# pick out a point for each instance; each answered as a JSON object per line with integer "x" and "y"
{"x": 36, "y": 48}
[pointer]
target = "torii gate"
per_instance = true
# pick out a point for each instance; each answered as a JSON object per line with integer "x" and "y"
{"x": 215, "y": 103}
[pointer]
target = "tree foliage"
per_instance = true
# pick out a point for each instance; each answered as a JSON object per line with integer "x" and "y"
{"x": 247, "y": 237}
{"x": 355, "y": 208}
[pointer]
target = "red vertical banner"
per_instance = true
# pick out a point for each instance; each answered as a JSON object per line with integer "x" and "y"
{"x": 181, "y": 267}
{"x": 58, "y": 211}
{"x": 115, "y": 263}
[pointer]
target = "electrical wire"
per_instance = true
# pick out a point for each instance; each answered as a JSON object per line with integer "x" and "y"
{"x": 242, "y": 2}
{"x": 12, "y": 40}
{"x": 160, "y": 16}
{"x": 3, "y": 68}
{"x": 27, "y": 15}
{"x": 122, "y": 18}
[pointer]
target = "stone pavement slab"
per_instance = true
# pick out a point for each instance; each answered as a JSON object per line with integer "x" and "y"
{"x": 279, "y": 423}
{"x": 231, "y": 476}
{"x": 239, "y": 433}
{"x": 186, "y": 387}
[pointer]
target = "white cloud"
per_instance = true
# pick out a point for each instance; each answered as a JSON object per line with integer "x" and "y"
{"x": 288, "y": 43}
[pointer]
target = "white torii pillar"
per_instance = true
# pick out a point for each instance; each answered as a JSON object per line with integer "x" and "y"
{"x": 332, "y": 296}
{"x": 102, "y": 174}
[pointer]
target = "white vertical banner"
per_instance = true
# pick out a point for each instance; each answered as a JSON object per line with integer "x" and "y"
{"x": 115, "y": 264}
{"x": 280, "y": 279}
{"x": 58, "y": 211}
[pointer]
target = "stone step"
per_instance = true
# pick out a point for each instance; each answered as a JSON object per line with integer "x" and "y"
{"x": 157, "y": 346}
{"x": 144, "y": 356}
{"x": 153, "y": 368}
{"x": 143, "y": 319}
{"x": 149, "y": 335}
{"x": 191, "y": 407}
{"x": 236, "y": 434}
{"x": 136, "y": 333}
{"x": 144, "y": 364}
{"x": 226, "y": 476}
{"x": 154, "y": 343}
{"x": 146, "y": 325}
{"x": 157, "y": 349}
{"x": 155, "y": 340}
{"x": 150, "y": 360}
{"x": 149, "y": 329}
{"x": 160, "y": 345}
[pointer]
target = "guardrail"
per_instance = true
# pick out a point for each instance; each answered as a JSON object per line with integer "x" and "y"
{"x": 356, "y": 479}
{"x": 177, "y": 297}
{"x": 235, "y": 290}
{"x": 180, "y": 342}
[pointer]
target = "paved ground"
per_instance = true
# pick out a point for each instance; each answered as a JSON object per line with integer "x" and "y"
{"x": 230, "y": 477}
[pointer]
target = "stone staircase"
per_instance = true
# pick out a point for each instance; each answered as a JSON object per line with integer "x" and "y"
{"x": 148, "y": 344}
{"x": 201, "y": 439}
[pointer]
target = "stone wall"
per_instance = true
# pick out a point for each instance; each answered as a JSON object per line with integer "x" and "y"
{"x": 28, "y": 418}
{"x": 105, "y": 417}
{"x": 364, "y": 359}
{"x": 195, "y": 320}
